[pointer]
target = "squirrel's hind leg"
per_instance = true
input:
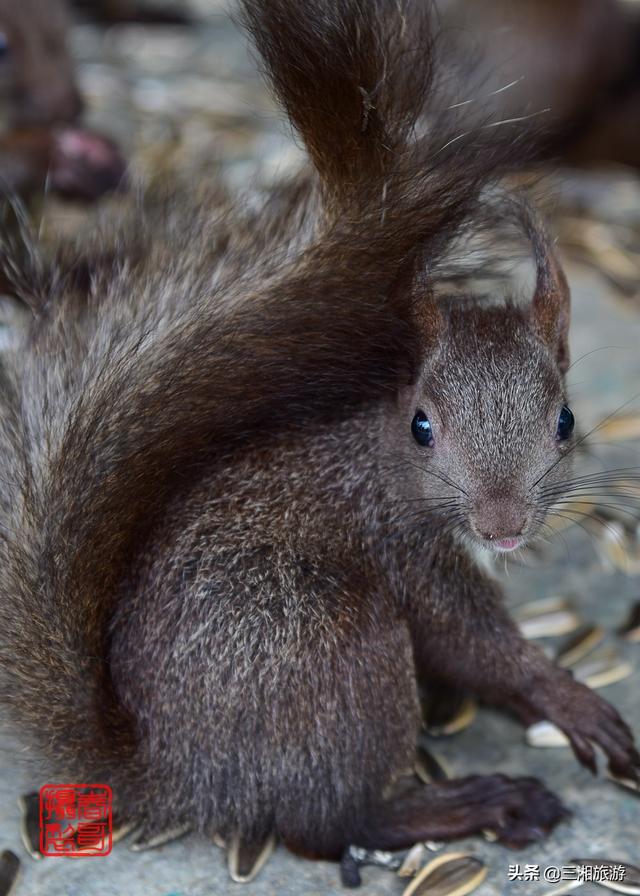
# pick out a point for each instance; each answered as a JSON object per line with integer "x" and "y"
{"x": 517, "y": 810}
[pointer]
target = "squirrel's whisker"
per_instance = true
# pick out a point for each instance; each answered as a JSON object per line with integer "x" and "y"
{"x": 583, "y": 438}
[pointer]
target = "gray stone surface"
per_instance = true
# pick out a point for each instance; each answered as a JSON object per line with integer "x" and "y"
{"x": 172, "y": 90}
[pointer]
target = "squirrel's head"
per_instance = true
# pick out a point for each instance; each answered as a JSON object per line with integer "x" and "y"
{"x": 486, "y": 423}
{"x": 36, "y": 71}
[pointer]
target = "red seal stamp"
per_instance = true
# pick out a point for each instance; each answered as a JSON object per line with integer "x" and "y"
{"x": 76, "y": 820}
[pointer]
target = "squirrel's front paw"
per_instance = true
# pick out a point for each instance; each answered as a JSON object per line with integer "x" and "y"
{"x": 587, "y": 719}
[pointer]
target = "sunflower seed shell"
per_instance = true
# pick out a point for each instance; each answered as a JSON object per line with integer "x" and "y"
{"x": 440, "y": 705}
{"x": 615, "y": 548}
{"x": 630, "y": 882}
{"x": 462, "y": 719}
{"x": 547, "y": 617}
{"x": 428, "y": 767}
{"x": 9, "y": 872}
{"x": 542, "y": 605}
{"x": 413, "y": 861}
{"x": 608, "y": 676}
{"x": 545, "y": 734}
{"x": 453, "y": 874}
{"x": 550, "y": 625}
{"x": 630, "y": 631}
{"x": 29, "y": 804}
{"x": 602, "y": 668}
{"x": 580, "y": 645}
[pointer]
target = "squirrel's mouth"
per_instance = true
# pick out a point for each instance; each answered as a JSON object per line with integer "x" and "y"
{"x": 505, "y": 545}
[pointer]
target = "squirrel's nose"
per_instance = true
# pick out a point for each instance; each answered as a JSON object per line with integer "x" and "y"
{"x": 498, "y": 520}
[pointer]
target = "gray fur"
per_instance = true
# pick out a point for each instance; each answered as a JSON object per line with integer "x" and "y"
{"x": 224, "y": 558}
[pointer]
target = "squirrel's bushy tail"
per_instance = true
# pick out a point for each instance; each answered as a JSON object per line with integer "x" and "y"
{"x": 113, "y": 406}
{"x": 353, "y": 79}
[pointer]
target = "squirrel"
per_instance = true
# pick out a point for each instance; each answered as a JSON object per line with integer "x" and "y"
{"x": 37, "y": 76}
{"x": 246, "y": 455}
{"x": 43, "y": 146}
{"x": 570, "y": 69}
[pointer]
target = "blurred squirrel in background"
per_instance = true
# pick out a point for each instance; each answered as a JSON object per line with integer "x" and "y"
{"x": 42, "y": 144}
{"x": 248, "y": 457}
{"x": 573, "y": 64}
{"x": 574, "y": 67}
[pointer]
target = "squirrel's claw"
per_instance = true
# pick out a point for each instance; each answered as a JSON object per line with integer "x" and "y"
{"x": 246, "y": 857}
{"x": 590, "y": 721}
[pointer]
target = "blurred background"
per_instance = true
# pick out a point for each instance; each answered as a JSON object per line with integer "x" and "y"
{"x": 99, "y": 97}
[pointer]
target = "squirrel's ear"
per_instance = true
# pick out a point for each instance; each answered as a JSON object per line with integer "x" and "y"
{"x": 423, "y": 315}
{"x": 426, "y": 314}
{"x": 551, "y": 307}
{"x": 428, "y": 317}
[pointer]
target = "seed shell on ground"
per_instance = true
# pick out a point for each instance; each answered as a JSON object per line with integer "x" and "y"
{"x": 462, "y": 719}
{"x": 245, "y": 859}
{"x": 29, "y": 804}
{"x": 579, "y": 645}
{"x": 545, "y": 735}
{"x": 603, "y": 667}
{"x": 630, "y": 883}
{"x": 453, "y": 874}
{"x": 9, "y": 872}
{"x": 547, "y": 617}
{"x": 630, "y": 631}
{"x": 542, "y": 605}
{"x": 614, "y": 545}
{"x": 413, "y": 861}
{"x": 550, "y": 625}
{"x": 428, "y": 767}
{"x": 440, "y": 705}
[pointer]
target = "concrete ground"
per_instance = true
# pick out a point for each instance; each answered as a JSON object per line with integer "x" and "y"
{"x": 154, "y": 91}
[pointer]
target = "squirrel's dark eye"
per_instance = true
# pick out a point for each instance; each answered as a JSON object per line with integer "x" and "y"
{"x": 421, "y": 429}
{"x": 566, "y": 423}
